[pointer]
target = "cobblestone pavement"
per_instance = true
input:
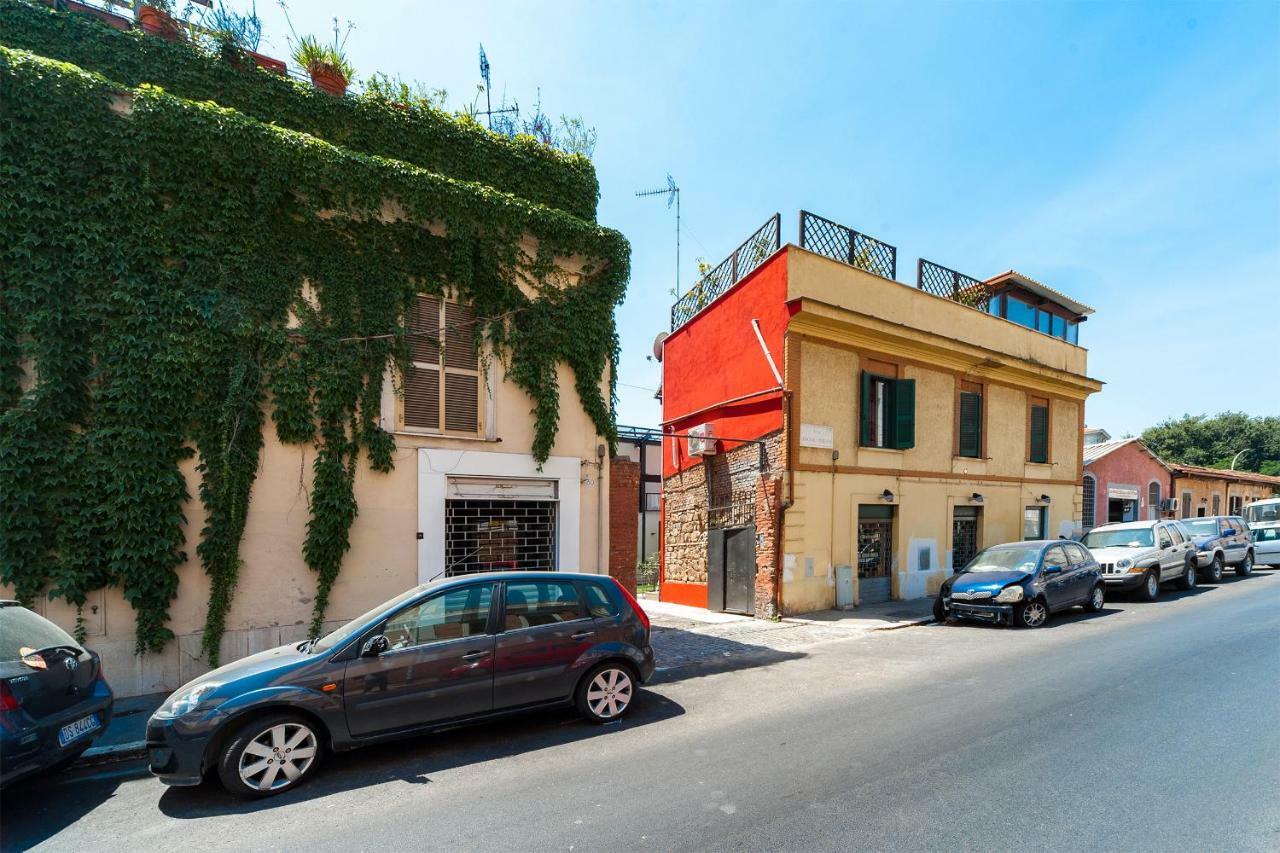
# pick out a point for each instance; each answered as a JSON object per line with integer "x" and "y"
{"x": 682, "y": 639}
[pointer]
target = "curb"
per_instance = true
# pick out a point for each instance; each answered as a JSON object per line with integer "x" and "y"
{"x": 910, "y": 623}
{"x": 116, "y": 752}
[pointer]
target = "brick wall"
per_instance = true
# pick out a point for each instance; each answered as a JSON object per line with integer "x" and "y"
{"x": 624, "y": 520}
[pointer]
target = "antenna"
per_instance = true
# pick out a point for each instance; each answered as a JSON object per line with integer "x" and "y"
{"x": 488, "y": 85}
{"x": 672, "y": 193}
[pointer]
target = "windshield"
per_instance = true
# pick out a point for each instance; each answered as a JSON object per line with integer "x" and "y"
{"x": 22, "y": 632}
{"x": 1124, "y": 537}
{"x": 339, "y": 635}
{"x": 1005, "y": 560}
{"x": 1258, "y": 513}
{"x": 1201, "y": 526}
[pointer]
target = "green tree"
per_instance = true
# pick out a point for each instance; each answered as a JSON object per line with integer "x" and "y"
{"x": 1214, "y": 440}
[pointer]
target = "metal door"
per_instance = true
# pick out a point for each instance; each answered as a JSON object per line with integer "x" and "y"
{"x": 875, "y": 550}
{"x": 740, "y": 569}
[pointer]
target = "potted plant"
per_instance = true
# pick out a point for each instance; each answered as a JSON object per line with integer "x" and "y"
{"x": 155, "y": 17}
{"x": 326, "y": 64}
{"x": 235, "y": 37}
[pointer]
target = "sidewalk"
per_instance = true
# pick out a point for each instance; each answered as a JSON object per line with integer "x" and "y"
{"x": 126, "y": 735}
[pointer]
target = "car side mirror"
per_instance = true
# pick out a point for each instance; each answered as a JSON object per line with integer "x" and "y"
{"x": 1053, "y": 570}
{"x": 374, "y": 646}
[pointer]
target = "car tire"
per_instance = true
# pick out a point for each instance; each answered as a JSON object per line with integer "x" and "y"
{"x": 1213, "y": 574}
{"x": 1097, "y": 599}
{"x": 1031, "y": 614}
{"x": 1150, "y": 589}
{"x": 939, "y": 612}
{"x": 1246, "y": 566}
{"x": 251, "y": 762}
{"x": 606, "y": 693}
{"x": 1187, "y": 582}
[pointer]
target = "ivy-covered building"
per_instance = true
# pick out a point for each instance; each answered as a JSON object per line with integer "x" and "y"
{"x": 269, "y": 357}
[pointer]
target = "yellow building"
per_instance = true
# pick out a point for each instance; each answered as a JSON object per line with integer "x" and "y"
{"x": 914, "y": 427}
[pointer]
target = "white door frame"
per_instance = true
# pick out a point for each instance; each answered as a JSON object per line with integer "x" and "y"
{"x": 436, "y": 465}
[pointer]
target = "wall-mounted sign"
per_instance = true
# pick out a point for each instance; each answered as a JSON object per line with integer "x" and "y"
{"x": 817, "y": 435}
{"x": 1121, "y": 493}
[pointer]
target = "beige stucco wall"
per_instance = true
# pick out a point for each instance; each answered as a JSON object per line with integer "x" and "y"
{"x": 273, "y": 601}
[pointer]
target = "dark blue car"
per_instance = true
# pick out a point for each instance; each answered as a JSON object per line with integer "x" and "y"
{"x": 1021, "y": 583}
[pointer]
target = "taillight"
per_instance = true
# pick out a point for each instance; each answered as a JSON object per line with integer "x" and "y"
{"x": 635, "y": 605}
{"x": 8, "y": 702}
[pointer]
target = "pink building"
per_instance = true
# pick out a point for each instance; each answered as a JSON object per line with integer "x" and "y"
{"x": 1123, "y": 481}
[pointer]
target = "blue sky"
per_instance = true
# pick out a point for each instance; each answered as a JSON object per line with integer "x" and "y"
{"x": 1127, "y": 154}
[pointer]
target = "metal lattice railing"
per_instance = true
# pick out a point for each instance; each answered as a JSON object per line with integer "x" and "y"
{"x": 949, "y": 284}
{"x": 752, "y": 253}
{"x": 847, "y": 246}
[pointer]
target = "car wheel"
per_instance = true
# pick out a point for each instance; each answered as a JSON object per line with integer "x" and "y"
{"x": 939, "y": 612}
{"x": 605, "y": 694}
{"x": 1214, "y": 572}
{"x": 1188, "y": 580}
{"x": 1031, "y": 614}
{"x": 269, "y": 755}
{"x": 1150, "y": 589}
{"x": 1246, "y": 566}
{"x": 1096, "y": 599}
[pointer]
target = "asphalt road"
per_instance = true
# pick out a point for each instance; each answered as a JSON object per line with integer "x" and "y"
{"x": 1144, "y": 727}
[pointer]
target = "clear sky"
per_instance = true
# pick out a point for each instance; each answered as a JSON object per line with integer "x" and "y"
{"x": 1127, "y": 154}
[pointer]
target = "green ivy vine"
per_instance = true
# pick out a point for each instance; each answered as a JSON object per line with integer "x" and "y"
{"x": 176, "y": 273}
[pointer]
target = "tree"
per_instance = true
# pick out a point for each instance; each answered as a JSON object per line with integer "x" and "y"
{"x": 1214, "y": 440}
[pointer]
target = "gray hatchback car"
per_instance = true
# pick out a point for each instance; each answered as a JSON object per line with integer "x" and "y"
{"x": 452, "y": 651}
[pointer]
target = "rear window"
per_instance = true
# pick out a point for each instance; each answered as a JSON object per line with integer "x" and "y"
{"x": 21, "y": 629}
{"x": 598, "y": 601}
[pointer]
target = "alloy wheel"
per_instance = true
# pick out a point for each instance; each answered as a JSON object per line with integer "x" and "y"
{"x": 1153, "y": 586}
{"x": 278, "y": 757}
{"x": 1034, "y": 614}
{"x": 1096, "y": 598}
{"x": 1246, "y": 568}
{"x": 609, "y": 693}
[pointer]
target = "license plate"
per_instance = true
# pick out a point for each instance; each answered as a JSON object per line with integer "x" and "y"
{"x": 78, "y": 729}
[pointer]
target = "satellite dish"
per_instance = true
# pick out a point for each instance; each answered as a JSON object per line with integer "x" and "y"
{"x": 657, "y": 344}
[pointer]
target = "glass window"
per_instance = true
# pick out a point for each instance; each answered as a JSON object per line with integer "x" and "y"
{"x": 462, "y": 612}
{"x": 1267, "y": 534}
{"x": 1055, "y": 556}
{"x": 23, "y": 632}
{"x": 1005, "y": 558}
{"x": 1020, "y": 312}
{"x": 1201, "y": 526}
{"x": 1176, "y": 532}
{"x": 1042, "y": 321}
{"x": 1162, "y": 538}
{"x": 534, "y": 603}
{"x": 598, "y": 601}
{"x": 1073, "y": 333}
{"x": 1033, "y": 522}
{"x": 993, "y": 306}
{"x": 1259, "y": 512}
{"x": 1059, "y": 326}
{"x": 1078, "y": 555}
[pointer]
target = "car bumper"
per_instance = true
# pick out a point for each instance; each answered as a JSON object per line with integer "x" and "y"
{"x": 1125, "y": 582}
{"x": 32, "y": 748}
{"x": 176, "y": 749}
{"x": 996, "y": 613}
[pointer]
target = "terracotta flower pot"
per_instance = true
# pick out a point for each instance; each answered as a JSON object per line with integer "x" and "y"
{"x": 271, "y": 64}
{"x": 158, "y": 23}
{"x": 328, "y": 80}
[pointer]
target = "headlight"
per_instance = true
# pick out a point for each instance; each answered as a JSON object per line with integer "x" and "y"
{"x": 185, "y": 701}
{"x": 1124, "y": 563}
{"x": 1010, "y": 594}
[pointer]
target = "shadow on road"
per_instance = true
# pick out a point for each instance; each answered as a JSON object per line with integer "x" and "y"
{"x": 38, "y": 808}
{"x": 414, "y": 760}
{"x": 682, "y": 654}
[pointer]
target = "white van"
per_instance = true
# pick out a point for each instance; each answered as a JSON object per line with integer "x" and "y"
{"x": 1262, "y": 512}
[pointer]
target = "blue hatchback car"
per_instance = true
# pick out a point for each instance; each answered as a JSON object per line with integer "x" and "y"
{"x": 1021, "y": 583}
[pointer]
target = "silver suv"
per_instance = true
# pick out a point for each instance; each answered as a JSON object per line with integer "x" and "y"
{"x": 1141, "y": 555}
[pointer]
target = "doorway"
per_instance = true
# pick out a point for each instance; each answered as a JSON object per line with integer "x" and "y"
{"x": 964, "y": 535}
{"x": 1121, "y": 510}
{"x": 731, "y": 569}
{"x": 875, "y": 553}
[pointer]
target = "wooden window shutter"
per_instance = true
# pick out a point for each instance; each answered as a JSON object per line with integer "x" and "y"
{"x": 424, "y": 326}
{"x": 864, "y": 409}
{"x": 903, "y": 413}
{"x": 970, "y": 424}
{"x": 422, "y": 398}
{"x": 461, "y": 393}
{"x": 460, "y": 337}
{"x": 1039, "y": 433}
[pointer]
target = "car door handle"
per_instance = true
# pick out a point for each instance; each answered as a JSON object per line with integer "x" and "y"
{"x": 470, "y": 656}
{"x": 581, "y": 635}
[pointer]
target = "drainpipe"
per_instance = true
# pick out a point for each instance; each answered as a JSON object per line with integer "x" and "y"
{"x": 602, "y": 522}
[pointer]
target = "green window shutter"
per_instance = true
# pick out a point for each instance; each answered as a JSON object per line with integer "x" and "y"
{"x": 970, "y": 424}
{"x": 1039, "y": 433}
{"x": 903, "y": 413}
{"x": 864, "y": 408}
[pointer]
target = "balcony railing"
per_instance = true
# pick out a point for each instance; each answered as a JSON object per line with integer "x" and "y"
{"x": 949, "y": 284}
{"x": 847, "y": 246}
{"x": 752, "y": 253}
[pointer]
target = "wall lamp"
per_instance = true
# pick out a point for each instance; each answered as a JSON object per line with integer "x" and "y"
{"x": 1044, "y": 499}
{"x": 975, "y": 498}
{"x": 886, "y": 496}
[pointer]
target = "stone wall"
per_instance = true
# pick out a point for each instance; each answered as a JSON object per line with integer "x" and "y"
{"x": 624, "y": 520}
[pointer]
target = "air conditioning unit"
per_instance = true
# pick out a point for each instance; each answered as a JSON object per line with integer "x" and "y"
{"x": 702, "y": 440}
{"x": 1169, "y": 505}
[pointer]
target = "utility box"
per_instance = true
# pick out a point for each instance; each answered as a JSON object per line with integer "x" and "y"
{"x": 844, "y": 587}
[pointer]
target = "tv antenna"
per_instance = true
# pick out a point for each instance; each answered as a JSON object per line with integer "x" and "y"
{"x": 489, "y": 111}
{"x": 672, "y": 193}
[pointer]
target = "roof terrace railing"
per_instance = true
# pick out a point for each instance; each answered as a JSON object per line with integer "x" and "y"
{"x": 949, "y": 284}
{"x": 843, "y": 244}
{"x": 752, "y": 253}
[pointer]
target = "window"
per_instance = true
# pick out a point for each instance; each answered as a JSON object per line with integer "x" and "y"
{"x": 969, "y": 417}
{"x": 888, "y": 411}
{"x": 534, "y": 603}
{"x": 457, "y": 613}
{"x": 1042, "y": 320}
{"x": 1019, "y": 312}
{"x": 1089, "y": 509}
{"x": 1186, "y": 504}
{"x": 1055, "y": 556}
{"x": 598, "y": 601}
{"x": 1175, "y": 530}
{"x": 1234, "y": 504}
{"x": 1038, "y": 430}
{"x": 1059, "y": 328}
{"x": 1077, "y": 555}
{"x": 964, "y": 535}
{"x": 1162, "y": 538}
{"x": 651, "y": 500}
{"x": 1073, "y": 333}
{"x": 1033, "y": 522}
{"x": 450, "y": 396}
{"x": 1217, "y": 505}
{"x": 1153, "y": 499}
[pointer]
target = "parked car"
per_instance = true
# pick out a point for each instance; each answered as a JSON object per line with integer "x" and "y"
{"x": 452, "y": 651}
{"x": 54, "y": 700}
{"x": 1266, "y": 544}
{"x": 1221, "y": 540}
{"x": 1262, "y": 512}
{"x": 1141, "y": 555}
{"x": 1022, "y": 583}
